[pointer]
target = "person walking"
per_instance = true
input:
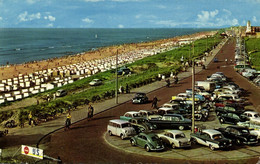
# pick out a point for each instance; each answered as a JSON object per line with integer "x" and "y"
{"x": 68, "y": 121}
{"x": 154, "y": 102}
{"x": 168, "y": 83}
{"x": 127, "y": 88}
{"x": 90, "y": 111}
{"x": 30, "y": 119}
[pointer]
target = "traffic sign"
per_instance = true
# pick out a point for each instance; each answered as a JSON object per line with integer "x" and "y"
{"x": 32, "y": 151}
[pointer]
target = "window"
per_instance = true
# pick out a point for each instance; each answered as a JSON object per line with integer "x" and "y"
{"x": 125, "y": 125}
{"x": 217, "y": 136}
{"x": 182, "y": 135}
{"x": 169, "y": 135}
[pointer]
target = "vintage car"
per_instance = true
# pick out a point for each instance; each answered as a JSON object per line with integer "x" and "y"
{"x": 239, "y": 135}
{"x": 129, "y": 115}
{"x": 250, "y": 124}
{"x": 256, "y": 133}
{"x": 140, "y": 98}
{"x": 252, "y": 115}
{"x": 233, "y": 97}
{"x": 151, "y": 114}
{"x": 141, "y": 125}
{"x": 211, "y": 138}
{"x": 3, "y": 133}
{"x": 171, "y": 121}
{"x": 150, "y": 142}
{"x": 175, "y": 138}
{"x": 230, "y": 118}
{"x": 95, "y": 82}
{"x": 172, "y": 106}
{"x": 120, "y": 128}
{"x": 229, "y": 109}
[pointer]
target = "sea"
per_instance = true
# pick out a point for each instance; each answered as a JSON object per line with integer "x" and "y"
{"x": 21, "y": 45}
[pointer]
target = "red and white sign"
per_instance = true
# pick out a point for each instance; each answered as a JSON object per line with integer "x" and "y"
{"x": 32, "y": 151}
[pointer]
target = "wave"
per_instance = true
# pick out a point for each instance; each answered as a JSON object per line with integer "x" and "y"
{"x": 51, "y": 47}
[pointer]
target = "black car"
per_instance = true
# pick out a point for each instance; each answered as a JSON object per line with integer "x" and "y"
{"x": 140, "y": 98}
{"x": 171, "y": 121}
{"x": 239, "y": 135}
{"x": 229, "y": 109}
{"x": 231, "y": 118}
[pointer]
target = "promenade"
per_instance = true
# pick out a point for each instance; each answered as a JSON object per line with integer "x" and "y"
{"x": 32, "y": 135}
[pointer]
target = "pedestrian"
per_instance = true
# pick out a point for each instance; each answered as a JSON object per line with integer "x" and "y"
{"x": 122, "y": 89}
{"x": 30, "y": 119}
{"x": 154, "y": 102}
{"x": 127, "y": 88}
{"x": 231, "y": 61}
{"x": 90, "y": 111}
{"x": 226, "y": 60}
{"x": 168, "y": 83}
{"x": 68, "y": 121}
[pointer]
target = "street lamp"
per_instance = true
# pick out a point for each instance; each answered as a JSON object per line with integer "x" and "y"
{"x": 116, "y": 95}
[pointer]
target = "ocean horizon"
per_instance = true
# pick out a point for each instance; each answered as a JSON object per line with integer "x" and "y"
{"x": 21, "y": 45}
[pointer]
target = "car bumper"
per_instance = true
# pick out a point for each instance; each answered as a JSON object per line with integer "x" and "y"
{"x": 225, "y": 146}
{"x": 250, "y": 142}
{"x": 157, "y": 149}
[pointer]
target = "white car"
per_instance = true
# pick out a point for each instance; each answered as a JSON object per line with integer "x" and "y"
{"x": 95, "y": 82}
{"x": 129, "y": 115}
{"x": 232, "y": 88}
{"x": 175, "y": 138}
{"x": 252, "y": 115}
{"x": 181, "y": 96}
{"x": 172, "y": 106}
{"x": 120, "y": 128}
{"x": 256, "y": 133}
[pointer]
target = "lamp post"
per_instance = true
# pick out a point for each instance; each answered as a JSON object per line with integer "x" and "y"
{"x": 116, "y": 95}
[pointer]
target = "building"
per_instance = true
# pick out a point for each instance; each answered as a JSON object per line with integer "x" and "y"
{"x": 252, "y": 31}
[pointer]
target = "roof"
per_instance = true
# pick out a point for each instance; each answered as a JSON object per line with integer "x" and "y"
{"x": 133, "y": 112}
{"x": 211, "y": 131}
{"x": 251, "y": 112}
{"x": 174, "y": 131}
{"x": 118, "y": 121}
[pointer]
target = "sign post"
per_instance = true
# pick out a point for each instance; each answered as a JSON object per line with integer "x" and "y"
{"x": 32, "y": 151}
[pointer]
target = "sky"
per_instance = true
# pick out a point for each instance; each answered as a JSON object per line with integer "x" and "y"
{"x": 128, "y": 13}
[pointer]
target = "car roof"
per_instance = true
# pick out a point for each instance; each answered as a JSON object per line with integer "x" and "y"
{"x": 211, "y": 131}
{"x": 118, "y": 121}
{"x": 174, "y": 131}
{"x": 133, "y": 112}
{"x": 251, "y": 112}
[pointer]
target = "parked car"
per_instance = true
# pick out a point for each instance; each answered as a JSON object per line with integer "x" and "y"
{"x": 250, "y": 125}
{"x": 252, "y": 115}
{"x": 120, "y": 128}
{"x": 152, "y": 114}
{"x": 61, "y": 93}
{"x": 175, "y": 138}
{"x": 239, "y": 135}
{"x": 95, "y": 82}
{"x": 229, "y": 109}
{"x": 140, "y": 98}
{"x": 129, "y": 115}
{"x": 211, "y": 138}
{"x": 171, "y": 121}
{"x": 150, "y": 142}
{"x": 141, "y": 125}
{"x": 123, "y": 71}
{"x": 230, "y": 118}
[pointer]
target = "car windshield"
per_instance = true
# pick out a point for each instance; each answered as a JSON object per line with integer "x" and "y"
{"x": 136, "y": 115}
{"x": 217, "y": 136}
{"x": 152, "y": 113}
{"x": 155, "y": 138}
{"x": 126, "y": 125}
{"x": 182, "y": 135}
{"x": 256, "y": 115}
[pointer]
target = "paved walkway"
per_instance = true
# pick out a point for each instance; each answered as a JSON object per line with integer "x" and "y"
{"x": 31, "y": 135}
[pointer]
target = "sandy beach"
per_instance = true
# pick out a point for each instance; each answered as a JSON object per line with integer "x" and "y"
{"x": 11, "y": 71}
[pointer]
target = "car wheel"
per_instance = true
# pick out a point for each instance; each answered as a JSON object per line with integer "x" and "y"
{"x": 173, "y": 146}
{"x": 132, "y": 142}
{"x": 211, "y": 147}
{"x": 221, "y": 120}
{"x": 181, "y": 127}
{"x": 122, "y": 136}
{"x": 147, "y": 148}
{"x": 110, "y": 133}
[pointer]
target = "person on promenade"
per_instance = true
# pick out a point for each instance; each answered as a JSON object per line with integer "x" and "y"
{"x": 30, "y": 119}
{"x": 90, "y": 111}
{"x": 168, "y": 83}
{"x": 154, "y": 102}
{"x": 127, "y": 88}
{"x": 68, "y": 121}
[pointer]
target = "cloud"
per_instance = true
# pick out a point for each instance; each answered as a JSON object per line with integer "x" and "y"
{"x": 254, "y": 19}
{"x": 31, "y": 1}
{"x": 24, "y": 17}
{"x": 50, "y": 25}
{"x": 87, "y": 20}
{"x": 1, "y": 18}
{"x": 121, "y": 26}
{"x": 167, "y": 23}
{"x": 206, "y": 15}
{"x": 50, "y": 18}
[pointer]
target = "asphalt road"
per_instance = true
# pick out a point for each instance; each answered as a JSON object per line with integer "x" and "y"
{"x": 84, "y": 143}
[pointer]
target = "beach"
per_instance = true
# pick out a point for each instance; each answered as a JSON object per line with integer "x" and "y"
{"x": 11, "y": 71}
